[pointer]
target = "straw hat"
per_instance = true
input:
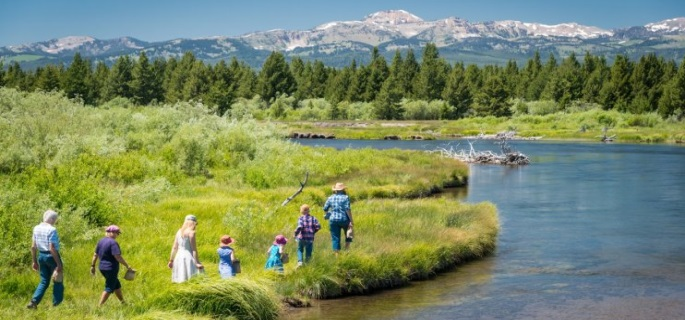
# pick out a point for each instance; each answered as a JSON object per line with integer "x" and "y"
{"x": 225, "y": 239}
{"x": 339, "y": 186}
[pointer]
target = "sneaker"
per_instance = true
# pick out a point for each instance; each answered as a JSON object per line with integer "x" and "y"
{"x": 299, "y": 264}
{"x": 31, "y": 305}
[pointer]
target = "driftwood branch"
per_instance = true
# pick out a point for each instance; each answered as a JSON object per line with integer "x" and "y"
{"x": 507, "y": 157}
{"x": 302, "y": 184}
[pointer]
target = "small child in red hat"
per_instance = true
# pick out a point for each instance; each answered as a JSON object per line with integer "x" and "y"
{"x": 277, "y": 255}
{"x": 226, "y": 257}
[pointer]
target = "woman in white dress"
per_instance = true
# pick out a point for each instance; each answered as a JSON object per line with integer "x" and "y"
{"x": 184, "y": 261}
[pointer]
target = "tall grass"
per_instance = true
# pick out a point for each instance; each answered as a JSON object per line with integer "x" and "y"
{"x": 146, "y": 168}
{"x": 239, "y": 298}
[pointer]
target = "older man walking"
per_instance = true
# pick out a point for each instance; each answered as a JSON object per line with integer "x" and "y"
{"x": 46, "y": 259}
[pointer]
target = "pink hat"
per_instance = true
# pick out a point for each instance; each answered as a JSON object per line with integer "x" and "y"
{"x": 280, "y": 239}
{"x": 113, "y": 228}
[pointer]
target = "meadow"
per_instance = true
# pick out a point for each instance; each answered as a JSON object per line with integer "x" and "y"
{"x": 145, "y": 168}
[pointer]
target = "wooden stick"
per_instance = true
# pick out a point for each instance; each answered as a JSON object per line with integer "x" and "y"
{"x": 302, "y": 184}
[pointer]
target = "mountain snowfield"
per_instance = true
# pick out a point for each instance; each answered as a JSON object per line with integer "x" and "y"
{"x": 668, "y": 25}
{"x": 389, "y": 30}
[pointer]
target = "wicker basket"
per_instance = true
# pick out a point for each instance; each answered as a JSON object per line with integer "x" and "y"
{"x": 130, "y": 274}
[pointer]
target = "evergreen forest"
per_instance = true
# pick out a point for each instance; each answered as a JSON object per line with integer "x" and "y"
{"x": 402, "y": 89}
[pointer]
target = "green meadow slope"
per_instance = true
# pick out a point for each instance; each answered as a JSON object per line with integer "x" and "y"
{"x": 145, "y": 168}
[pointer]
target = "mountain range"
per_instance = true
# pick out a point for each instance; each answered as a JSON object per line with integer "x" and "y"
{"x": 337, "y": 43}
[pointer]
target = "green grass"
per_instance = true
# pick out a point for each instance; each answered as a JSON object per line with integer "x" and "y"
{"x": 146, "y": 168}
{"x": 22, "y": 58}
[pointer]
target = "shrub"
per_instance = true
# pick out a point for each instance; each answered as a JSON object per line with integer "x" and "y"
{"x": 644, "y": 120}
{"x": 542, "y": 107}
{"x": 189, "y": 147}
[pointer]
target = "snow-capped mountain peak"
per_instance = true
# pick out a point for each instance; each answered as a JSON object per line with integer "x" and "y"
{"x": 668, "y": 25}
{"x": 571, "y": 29}
{"x": 392, "y": 17}
{"x": 389, "y": 30}
{"x": 68, "y": 43}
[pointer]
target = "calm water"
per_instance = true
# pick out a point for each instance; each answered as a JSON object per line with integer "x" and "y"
{"x": 589, "y": 231}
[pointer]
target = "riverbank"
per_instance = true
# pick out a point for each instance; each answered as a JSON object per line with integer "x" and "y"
{"x": 145, "y": 169}
{"x": 587, "y": 125}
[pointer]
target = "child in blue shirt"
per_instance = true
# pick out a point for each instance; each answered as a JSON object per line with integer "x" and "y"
{"x": 226, "y": 257}
{"x": 275, "y": 252}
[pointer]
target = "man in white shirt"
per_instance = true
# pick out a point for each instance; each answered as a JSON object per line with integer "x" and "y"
{"x": 46, "y": 259}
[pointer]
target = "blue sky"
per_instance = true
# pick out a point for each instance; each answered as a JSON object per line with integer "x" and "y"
{"x": 26, "y": 21}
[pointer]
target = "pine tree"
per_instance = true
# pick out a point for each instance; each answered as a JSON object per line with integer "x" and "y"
{"x": 378, "y": 73}
{"x": 528, "y": 75}
{"x": 408, "y": 74}
{"x": 432, "y": 76}
{"x": 358, "y": 86}
{"x": 617, "y": 92}
{"x": 304, "y": 88}
{"x": 396, "y": 66}
{"x": 474, "y": 78}
{"x": 159, "y": 71}
{"x": 646, "y": 80}
{"x": 169, "y": 81}
{"x": 143, "y": 81}
{"x": 221, "y": 92}
{"x": 672, "y": 102}
{"x": 297, "y": 68}
{"x": 120, "y": 79}
{"x": 99, "y": 80}
{"x": 76, "y": 80}
{"x": 457, "y": 93}
{"x": 511, "y": 77}
{"x": 566, "y": 82}
{"x": 319, "y": 79}
{"x": 493, "y": 99}
{"x": 275, "y": 78}
{"x": 177, "y": 75}
{"x": 387, "y": 104}
{"x": 50, "y": 78}
{"x": 2, "y": 74}
{"x": 339, "y": 86}
{"x": 197, "y": 83}
{"x": 596, "y": 73}
{"x": 245, "y": 79}
{"x": 15, "y": 77}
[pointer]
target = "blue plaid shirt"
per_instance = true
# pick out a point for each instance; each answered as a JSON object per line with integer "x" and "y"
{"x": 307, "y": 226}
{"x": 337, "y": 205}
{"x": 44, "y": 234}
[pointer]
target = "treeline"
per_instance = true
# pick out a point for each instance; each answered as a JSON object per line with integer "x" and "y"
{"x": 404, "y": 88}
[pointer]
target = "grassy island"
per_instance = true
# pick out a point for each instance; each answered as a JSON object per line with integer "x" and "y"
{"x": 145, "y": 168}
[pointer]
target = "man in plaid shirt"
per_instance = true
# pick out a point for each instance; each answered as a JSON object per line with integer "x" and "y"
{"x": 307, "y": 226}
{"x": 339, "y": 216}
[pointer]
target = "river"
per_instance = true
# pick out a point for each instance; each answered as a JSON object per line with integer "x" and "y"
{"x": 588, "y": 231}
